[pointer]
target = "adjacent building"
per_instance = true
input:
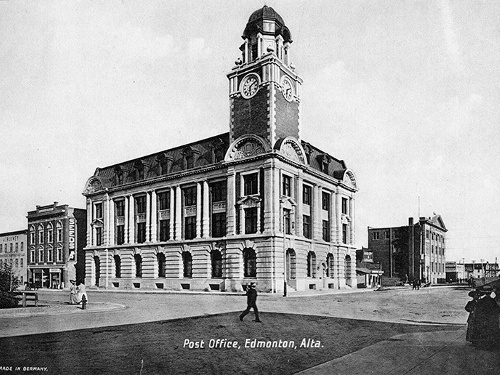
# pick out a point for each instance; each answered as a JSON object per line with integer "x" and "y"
{"x": 368, "y": 273}
{"x": 413, "y": 251}
{"x": 13, "y": 251}
{"x": 255, "y": 204}
{"x": 482, "y": 269}
{"x": 56, "y": 238}
{"x": 455, "y": 272}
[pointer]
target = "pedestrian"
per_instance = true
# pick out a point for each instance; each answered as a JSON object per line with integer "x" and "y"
{"x": 486, "y": 330}
{"x": 73, "y": 300}
{"x": 251, "y": 303}
{"x": 418, "y": 284}
{"x": 81, "y": 292}
{"x": 471, "y": 309}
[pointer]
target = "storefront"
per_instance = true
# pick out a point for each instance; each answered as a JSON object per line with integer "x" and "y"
{"x": 47, "y": 277}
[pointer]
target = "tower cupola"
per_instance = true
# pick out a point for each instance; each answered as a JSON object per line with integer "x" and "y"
{"x": 265, "y": 33}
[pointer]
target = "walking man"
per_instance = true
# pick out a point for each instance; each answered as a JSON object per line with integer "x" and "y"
{"x": 251, "y": 303}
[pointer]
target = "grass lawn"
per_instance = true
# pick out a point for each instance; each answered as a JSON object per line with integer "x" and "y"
{"x": 159, "y": 347}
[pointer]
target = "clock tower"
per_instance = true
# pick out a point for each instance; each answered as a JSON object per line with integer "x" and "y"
{"x": 264, "y": 90}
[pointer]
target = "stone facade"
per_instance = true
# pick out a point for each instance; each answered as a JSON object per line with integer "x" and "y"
{"x": 255, "y": 204}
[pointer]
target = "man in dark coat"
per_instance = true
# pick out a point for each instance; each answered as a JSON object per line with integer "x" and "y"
{"x": 251, "y": 303}
{"x": 486, "y": 331}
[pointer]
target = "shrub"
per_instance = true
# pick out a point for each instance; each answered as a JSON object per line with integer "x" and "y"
{"x": 8, "y": 300}
{"x": 8, "y": 286}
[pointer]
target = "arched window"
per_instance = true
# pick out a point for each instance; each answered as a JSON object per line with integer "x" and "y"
{"x": 216, "y": 263}
{"x": 311, "y": 264}
{"x": 59, "y": 232}
{"x": 118, "y": 266}
{"x": 329, "y": 265}
{"x": 291, "y": 264}
{"x": 249, "y": 263}
{"x": 161, "y": 264}
{"x": 50, "y": 233}
{"x": 32, "y": 235}
{"x": 187, "y": 263}
{"x": 138, "y": 265}
{"x": 97, "y": 265}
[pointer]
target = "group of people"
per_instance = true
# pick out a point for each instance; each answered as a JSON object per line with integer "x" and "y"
{"x": 77, "y": 292}
{"x": 416, "y": 284}
{"x": 483, "y": 329}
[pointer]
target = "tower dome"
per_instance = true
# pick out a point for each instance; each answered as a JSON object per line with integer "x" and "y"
{"x": 267, "y": 22}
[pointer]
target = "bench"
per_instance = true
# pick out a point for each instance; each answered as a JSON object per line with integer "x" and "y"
{"x": 28, "y": 295}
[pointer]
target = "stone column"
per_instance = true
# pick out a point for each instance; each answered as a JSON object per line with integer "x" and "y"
{"x": 131, "y": 219}
{"x": 231, "y": 202}
{"x": 258, "y": 218}
{"x": 269, "y": 204}
{"x": 242, "y": 220}
{"x": 178, "y": 213}
{"x": 148, "y": 221}
{"x": 318, "y": 218}
{"x": 352, "y": 228}
{"x": 89, "y": 222}
{"x": 299, "y": 221}
{"x": 154, "y": 216}
{"x": 111, "y": 221}
{"x": 339, "y": 216}
{"x": 333, "y": 216}
{"x": 206, "y": 210}
{"x": 275, "y": 196}
{"x": 172, "y": 213}
{"x": 198, "y": 209}
{"x": 126, "y": 222}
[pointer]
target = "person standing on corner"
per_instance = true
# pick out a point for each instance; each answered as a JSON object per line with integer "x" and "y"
{"x": 73, "y": 300}
{"x": 81, "y": 292}
{"x": 251, "y": 303}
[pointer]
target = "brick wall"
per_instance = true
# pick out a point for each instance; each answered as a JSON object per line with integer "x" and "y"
{"x": 251, "y": 116}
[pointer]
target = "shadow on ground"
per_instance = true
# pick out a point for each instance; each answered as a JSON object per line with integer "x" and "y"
{"x": 159, "y": 347}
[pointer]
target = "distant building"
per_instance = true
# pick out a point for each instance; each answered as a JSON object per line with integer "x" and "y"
{"x": 482, "y": 269}
{"x": 56, "y": 238}
{"x": 257, "y": 204}
{"x": 412, "y": 251}
{"x": 13, "y": 247}
{"x": 455, "y": 272}
{"x": 368, "y": 272}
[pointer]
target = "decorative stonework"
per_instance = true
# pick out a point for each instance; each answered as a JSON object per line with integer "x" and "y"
{"x": 93, "y": 185}
{"x": 291, "y": 149}
{"x": 349, "y": 179}
{"x": 249, "y": 201}
{"x": 246, "y": 146}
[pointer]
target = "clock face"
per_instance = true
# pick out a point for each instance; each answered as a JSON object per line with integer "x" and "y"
{"x": 249, "y": 86}
{"x": 287, "y": 89}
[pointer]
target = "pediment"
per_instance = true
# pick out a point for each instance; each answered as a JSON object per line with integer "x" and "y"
{"x": 246, "y": 146}
{"x": 93, "y": 185}
{"x": 290, "y": 148}
{"x": 249, "y": 201}
{"x": 349, "y": 179}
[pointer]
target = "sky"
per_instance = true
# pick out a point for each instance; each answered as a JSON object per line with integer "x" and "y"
{"x": 407, "y": 93}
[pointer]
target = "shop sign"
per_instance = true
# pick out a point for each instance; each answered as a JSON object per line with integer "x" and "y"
{"x": 72, "y": 234}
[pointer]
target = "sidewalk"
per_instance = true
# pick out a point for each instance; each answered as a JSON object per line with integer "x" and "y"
{"x": 57, "y": 308}
{"x": 444, "y": 352}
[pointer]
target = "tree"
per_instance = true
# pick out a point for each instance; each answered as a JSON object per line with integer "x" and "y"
{"x": 9, "y": 283}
